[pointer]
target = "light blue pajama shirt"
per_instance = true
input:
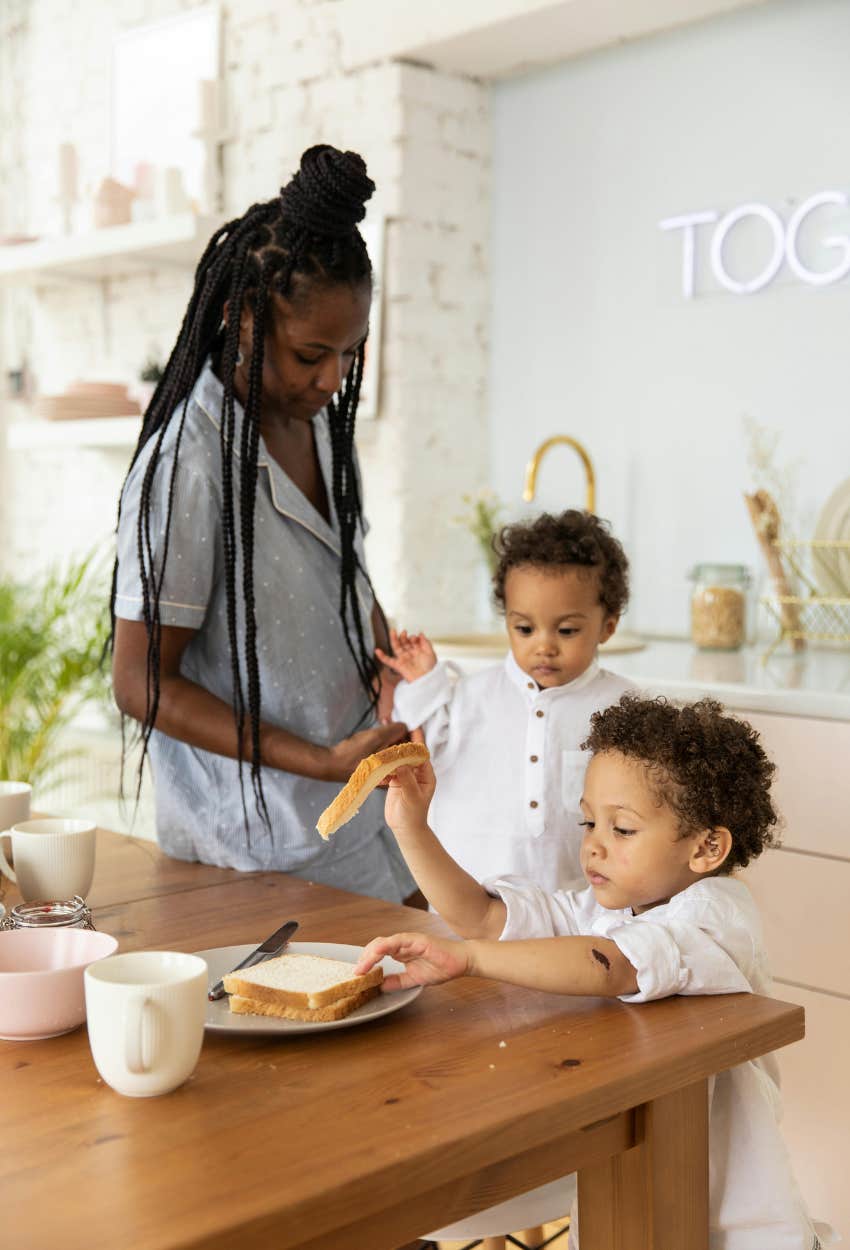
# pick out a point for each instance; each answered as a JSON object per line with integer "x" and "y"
{"x": 308, "y": 680}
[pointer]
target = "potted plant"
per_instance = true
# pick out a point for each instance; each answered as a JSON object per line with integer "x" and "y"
{"x": 150, "y": 375}
{"x": 53, "y": 633}
{"x": 481, "y": 518}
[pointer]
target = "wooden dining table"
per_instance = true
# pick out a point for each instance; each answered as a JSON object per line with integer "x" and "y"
{"x": 363, "y": 1138}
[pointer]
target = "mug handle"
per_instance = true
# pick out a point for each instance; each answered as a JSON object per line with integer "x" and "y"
{"x": 5, "y": 866}
{"x": 134, "y": 1034}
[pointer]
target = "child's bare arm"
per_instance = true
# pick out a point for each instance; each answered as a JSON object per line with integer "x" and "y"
{"x": 413, "y": 656}
{"x": 460, "y": 900}
{"x": 558, "y": 965}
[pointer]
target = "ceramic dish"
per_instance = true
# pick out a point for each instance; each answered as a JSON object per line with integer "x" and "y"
{"x": 220, "y": 1019}
{"x": 832, "y": 569}
{"x": 41, "y": 979}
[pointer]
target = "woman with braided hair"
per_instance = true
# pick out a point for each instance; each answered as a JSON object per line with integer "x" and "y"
{"x": 244, "y": 622}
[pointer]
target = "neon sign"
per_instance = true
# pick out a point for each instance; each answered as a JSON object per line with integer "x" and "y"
{"x": 784, "y": 244}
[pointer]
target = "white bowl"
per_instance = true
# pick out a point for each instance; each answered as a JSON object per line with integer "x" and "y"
{"x": 41, "y": 979}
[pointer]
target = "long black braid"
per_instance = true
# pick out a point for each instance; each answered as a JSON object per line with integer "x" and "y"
{"x": 305, "y": 238}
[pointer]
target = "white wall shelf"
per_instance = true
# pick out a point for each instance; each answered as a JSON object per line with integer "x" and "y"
{"x": 89, "y": 432}
{"x": 109, "y": 253}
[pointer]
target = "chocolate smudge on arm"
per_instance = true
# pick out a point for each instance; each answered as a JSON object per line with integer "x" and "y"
{"x": 602, "y": 959}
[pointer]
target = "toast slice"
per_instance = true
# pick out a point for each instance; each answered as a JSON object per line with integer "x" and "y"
{"x": 367, "y": 775}
{"x": 334, "y": 1011}
{"x": 303, "y": 981}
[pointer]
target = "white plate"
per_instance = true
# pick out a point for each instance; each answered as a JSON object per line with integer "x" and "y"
{"x": 833, "y": 570}
{"x": 220, "y": 1019}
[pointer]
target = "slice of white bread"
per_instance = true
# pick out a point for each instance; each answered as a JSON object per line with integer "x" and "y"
{"x": 368, "y": 774}
{"x": 303, "y": 981}
{"x": 334, "y": 1011}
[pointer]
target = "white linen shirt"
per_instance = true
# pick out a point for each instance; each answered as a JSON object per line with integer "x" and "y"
{"x": 705, "y": 940}
{"x": 509, "y": 766}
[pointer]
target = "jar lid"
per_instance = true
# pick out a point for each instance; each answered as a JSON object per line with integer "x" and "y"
{"x": 720, "y": 573}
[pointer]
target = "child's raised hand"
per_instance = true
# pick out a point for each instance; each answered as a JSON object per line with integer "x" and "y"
{"x": 413, "y": 655}
{"x": 409, "y": 794}
{"x": 428, "y": 960}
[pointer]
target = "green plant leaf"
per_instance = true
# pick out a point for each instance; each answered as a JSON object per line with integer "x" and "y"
{"x": 53, "y": 632}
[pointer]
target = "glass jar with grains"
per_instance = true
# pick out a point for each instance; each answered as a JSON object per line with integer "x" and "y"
{"x": 719, "y": 606}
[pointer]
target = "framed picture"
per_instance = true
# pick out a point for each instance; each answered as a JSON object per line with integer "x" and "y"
{"x": 372, "y": 230}
{"x": 165, "y": 106}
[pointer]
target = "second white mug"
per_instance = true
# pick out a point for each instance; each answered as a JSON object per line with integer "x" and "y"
{"x": 15, "y": 799}
{"x": 54, "y": 858}
{"x": 146, "y": 1013}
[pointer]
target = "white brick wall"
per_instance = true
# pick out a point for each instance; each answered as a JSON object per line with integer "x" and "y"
{"x": 426, "y": 140}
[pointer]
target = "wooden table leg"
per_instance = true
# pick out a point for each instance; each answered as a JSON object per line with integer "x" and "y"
{"x": 654, "y": 1196}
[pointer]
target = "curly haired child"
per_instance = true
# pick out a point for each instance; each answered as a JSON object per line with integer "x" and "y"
{"x": 675, "y": 800}
{"x": 505, "y": 741}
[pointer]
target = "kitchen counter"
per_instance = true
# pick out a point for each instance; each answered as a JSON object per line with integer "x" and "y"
{"x": 814, "y": 682}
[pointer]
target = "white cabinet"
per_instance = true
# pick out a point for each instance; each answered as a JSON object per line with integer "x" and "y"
{"x": 803, "y": 893}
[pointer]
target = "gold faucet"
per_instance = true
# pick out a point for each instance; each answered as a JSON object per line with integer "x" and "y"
{"x": 534, "y": 464}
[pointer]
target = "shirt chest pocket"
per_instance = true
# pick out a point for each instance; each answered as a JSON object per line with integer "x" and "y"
{"x": 573, "y": 766}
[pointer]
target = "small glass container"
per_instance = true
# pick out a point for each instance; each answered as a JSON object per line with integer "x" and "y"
{"x": 719, "y": 606}
{"x": 65, "y": 913}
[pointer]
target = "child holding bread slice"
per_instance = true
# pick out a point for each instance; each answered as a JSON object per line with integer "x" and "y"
{"x": 505, "y": 742}
{"x": 675, "y": 800}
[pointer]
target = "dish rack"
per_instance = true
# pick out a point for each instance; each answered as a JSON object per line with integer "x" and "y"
{"x": 811, "y": 615}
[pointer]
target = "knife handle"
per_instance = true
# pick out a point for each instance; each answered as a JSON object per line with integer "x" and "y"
{"x": 218, "y": 991}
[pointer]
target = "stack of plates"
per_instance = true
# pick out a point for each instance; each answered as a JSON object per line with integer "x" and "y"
{"x": 87, "y": 399}
{"x": 832, "y": 566}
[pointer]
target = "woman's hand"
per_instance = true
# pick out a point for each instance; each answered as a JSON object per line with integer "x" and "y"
{"x": 409, "y": 795}
{"x": 413, "y": 655}
{"x": 428, "y": 960}
{"x": 344, "y": 757}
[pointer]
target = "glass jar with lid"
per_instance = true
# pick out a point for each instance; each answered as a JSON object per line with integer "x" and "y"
{"x": 68, "y": 913}
{"x": 719, "y": 597}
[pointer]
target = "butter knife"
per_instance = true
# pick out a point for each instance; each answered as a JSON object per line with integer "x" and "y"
{"x": 272, "y": 946}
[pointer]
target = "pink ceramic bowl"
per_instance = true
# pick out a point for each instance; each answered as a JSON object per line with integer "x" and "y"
{"x": 41, "y": 979}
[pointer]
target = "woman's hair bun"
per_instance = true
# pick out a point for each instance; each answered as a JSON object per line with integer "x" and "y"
{"x": 328, "y": 194}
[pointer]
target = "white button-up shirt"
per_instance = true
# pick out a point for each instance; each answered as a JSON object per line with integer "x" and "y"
{"x": 705, "y": 940}
{"x": 509, "y": 765}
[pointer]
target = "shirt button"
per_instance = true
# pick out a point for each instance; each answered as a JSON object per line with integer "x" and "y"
{"x": 533, "y": 759}
{"x": 533, "y": 803}
{"x": 538, "y": 713}
{"x": 531, "y": 685}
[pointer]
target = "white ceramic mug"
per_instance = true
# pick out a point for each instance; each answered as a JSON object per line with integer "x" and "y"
{"x": 15, "y": 799}
{"x": 54, "y": 858}
{"x": 146, "y": 1013}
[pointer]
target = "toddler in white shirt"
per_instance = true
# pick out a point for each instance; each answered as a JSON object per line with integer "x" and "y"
{"x": 506, "y": 742}
{"x": 675, "y": 800}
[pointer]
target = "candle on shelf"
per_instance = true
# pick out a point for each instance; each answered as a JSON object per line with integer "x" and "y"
{"x": 67, "y": 183}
